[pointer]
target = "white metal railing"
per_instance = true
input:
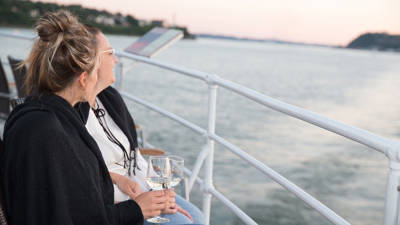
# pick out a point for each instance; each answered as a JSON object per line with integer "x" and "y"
{"x": 388, "y": 147}
{"x": 381, "y": 144}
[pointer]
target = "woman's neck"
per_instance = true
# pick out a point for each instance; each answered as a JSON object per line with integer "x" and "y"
{"x": 92, "y": 101}
{"x": 70, "y": 95}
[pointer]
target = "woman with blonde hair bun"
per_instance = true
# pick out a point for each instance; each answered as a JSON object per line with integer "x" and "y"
{"x": 52, "y": 171}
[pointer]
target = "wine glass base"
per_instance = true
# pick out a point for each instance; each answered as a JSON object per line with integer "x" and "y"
{"x": 157, "y": 219}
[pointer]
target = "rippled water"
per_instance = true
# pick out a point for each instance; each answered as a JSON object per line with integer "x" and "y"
{"x": 359, "y": 88}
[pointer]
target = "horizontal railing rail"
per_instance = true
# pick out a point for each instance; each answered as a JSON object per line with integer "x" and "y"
{"x": 364, "y": 137}
{"x": 6, "y": 95}
{"x": 18, "y": 36}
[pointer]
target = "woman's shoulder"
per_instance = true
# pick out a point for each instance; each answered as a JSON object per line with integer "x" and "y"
{"x": 30, "y": 132}
{"x": 111, "y": 90}
{"x": 112, "y": 100}
{"x": 33, "y": 122}
{"x": 42, "y": 118}
{"x": 110, "y": 94}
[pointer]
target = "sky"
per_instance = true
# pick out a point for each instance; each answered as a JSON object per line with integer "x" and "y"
{"x": 332, "y": 22}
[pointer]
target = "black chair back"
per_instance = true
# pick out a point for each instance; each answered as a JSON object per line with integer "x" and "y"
{"x": 19, "y": 75}
{"x": 15, "y": 102}
{"x": 4, "y": 89}
{"x": 3, "y": 220}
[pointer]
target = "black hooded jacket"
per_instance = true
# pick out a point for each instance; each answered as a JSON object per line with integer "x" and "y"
{"x": 52, "y": 170}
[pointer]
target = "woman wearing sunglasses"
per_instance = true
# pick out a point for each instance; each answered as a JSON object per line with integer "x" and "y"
{"x": 111, "y": 125}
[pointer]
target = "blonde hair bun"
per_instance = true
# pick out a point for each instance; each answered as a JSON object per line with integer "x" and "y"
{"x": 63, "y": 50}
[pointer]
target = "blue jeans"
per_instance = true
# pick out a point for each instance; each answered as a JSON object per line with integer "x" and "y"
{"x": 179, "y": 218}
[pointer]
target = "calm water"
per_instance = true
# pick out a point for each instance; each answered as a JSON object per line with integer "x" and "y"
{"x": 355, "y": 87}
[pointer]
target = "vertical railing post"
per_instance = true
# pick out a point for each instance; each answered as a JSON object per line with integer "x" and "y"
{"x": 392, "y": 198}
{"x": 392, "y": 187}
{"x": 209, "y": 164}
{"x": 118, "y": 75}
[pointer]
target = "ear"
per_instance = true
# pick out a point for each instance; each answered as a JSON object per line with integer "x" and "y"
{"x": 82, "y": 79}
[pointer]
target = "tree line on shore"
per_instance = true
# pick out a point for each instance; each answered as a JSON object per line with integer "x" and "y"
{"x": 24, "y": 13}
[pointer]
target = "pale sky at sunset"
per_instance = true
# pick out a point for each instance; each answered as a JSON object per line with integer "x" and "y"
{"x": 312, "y": 21}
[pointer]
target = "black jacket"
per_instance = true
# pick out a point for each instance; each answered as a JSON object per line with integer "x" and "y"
{"x": 52, "y": 170}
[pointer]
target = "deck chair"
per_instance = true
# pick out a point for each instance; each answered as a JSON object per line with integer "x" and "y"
{"x": 19, "y": 75}
{"x": 141, "y": 141}
{"x": 151, "y": 151}
{"x": 5, "y": 94}
{"x": 3, "y": 220}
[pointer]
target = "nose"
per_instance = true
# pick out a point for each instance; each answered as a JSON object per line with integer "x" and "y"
{"x": 115, "y": 59}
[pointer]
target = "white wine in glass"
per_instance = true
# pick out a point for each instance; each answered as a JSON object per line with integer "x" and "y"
{"x": 177, "y": 167}
{"x": 158, "y": 177}
{"x": 158, "y": 183}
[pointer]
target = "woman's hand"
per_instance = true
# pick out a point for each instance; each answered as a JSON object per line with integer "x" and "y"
{"x": 126, "y": 185}
{"x": 184, "y": 212}
{"x": 151, "y": 203}
{"x": 170, "y": 207}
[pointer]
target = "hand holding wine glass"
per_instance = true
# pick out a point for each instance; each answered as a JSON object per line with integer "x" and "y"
{"x": 158, "y": 177}
{"x": 152, "y": 203}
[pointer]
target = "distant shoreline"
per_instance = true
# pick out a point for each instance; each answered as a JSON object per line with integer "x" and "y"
{"x": 376, "y": 41}
{"x": 23, "y": 14}
{"x": 375, "y": 45}
{"x": 232, "y": 38}
{"x": 277, "y": 41}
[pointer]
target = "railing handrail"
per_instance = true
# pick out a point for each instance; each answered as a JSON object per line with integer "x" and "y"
{"x": 361, "y": 136}
{"x": 19, "y": 36}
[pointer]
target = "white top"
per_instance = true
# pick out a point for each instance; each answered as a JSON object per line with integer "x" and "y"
{"x": 112, "y": 153}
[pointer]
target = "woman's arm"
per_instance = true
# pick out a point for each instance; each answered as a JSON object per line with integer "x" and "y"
{"x": 151, "y": 203}
{"x": 126, "y": 185}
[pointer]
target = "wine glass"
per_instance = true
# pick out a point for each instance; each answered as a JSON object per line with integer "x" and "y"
{"x": 158, "y": 177}
{"x": 177, "y": 167}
